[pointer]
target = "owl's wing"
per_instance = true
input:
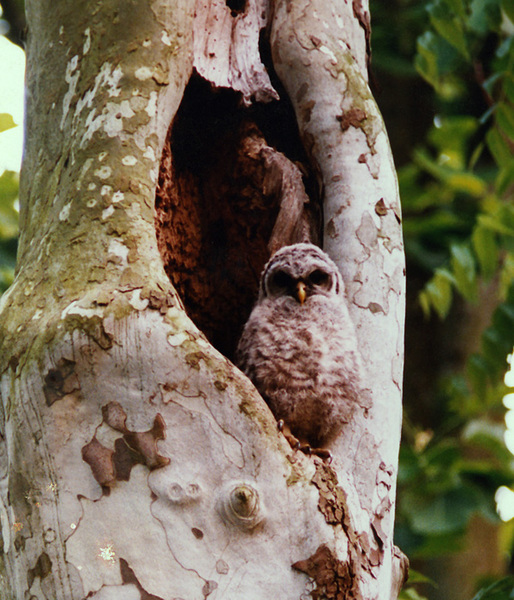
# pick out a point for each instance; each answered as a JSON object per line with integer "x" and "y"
{"x": 242, "y": 350}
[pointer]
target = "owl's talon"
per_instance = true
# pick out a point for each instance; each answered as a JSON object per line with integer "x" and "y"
{"x": 293, "y": 441}
{"x": 306, "y": 449}
{"x": 323, "y": 453}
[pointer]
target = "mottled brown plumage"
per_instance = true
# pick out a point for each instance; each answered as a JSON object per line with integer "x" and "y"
{"x": 299, "y": 346}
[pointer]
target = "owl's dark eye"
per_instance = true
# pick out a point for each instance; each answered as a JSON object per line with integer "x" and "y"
{"x": 319, "y": 277}
{"x": 281, "y": 279}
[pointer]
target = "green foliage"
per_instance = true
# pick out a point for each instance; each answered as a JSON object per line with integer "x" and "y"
{"x": 469, "y": 159}
{"x": 458, "y": 192}
{"x": 8, "y": 216}
{"x": 8, "y": 227}
{"x": 458, "y": 203}
{"x": 442, "y": 489}
{"x": 500, "y": 590}
{"x": 6, "y": 122}
{"x": 409, "y": 592}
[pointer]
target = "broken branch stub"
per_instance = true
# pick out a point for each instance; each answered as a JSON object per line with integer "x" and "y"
{"x": 226, "y": 47}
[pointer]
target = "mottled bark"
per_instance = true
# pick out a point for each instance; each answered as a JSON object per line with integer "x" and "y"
{"x": 136, "y": 461}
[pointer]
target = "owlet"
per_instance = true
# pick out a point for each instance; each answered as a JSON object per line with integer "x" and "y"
{"x": 299, "y": 347}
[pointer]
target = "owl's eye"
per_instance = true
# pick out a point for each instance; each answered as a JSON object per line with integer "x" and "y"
{"x": 319, "y": 277}
{"x": 281, "y": 279}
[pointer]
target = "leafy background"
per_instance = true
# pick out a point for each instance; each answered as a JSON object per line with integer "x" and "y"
{"x": 446, "y": 69}
{"x": 444, "y": 79}
{"x": 8, "y": 215}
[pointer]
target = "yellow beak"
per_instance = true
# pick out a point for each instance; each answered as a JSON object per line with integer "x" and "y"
{"x": 301, "y": 294}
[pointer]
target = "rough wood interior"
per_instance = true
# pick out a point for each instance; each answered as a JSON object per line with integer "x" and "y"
{"x": 227, "y": 198}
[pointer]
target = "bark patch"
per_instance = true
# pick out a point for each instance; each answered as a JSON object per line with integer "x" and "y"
{"x": 99, "y": 458}
{"x": 351, "y": 118}
{"x": 93, "y": 327}
{"x": 129, "y": 577}
{"x": 333, "y": 578}
{"x": 208, "y": 588}
{"x": 134, "y": 447}
{"x": 365, "y": 550}
{"x": 332, "y": 499}
{"x": 60, "y": 381}
{"x": 363, "y": 17}
{"x": 381, "y": 208}
{"x": 42, "y": 569}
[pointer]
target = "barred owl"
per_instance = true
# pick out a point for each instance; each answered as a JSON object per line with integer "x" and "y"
{"x": 299, "y": 347}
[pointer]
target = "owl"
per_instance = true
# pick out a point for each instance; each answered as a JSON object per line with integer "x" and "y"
{"x": 299, "y": 347}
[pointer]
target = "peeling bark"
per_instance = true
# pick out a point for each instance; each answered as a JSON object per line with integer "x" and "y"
{"x": 226, "y": 47}
{"x": 136, "y": 461}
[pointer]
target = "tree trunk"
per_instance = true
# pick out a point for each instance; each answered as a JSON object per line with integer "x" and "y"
{"x": 136, "y": 461}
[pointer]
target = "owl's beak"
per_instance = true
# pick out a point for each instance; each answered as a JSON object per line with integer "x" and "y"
{"x": 301, "y": 294}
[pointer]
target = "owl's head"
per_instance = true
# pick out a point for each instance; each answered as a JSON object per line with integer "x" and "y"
{"x": 300, "y": 271}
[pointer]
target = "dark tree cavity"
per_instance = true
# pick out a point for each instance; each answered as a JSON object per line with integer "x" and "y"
{"x": 234, "y": 186}
{"x": 236, "y": 6}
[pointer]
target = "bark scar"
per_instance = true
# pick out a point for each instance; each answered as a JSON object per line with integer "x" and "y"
{"x": 365, "y": 22}
{"x": 128, "y": 576}
{"x": 60, "y": 381}
{"x": 333, "y": 577}
{"x": 351, "y": 118}
{"x": 134, "y": 447}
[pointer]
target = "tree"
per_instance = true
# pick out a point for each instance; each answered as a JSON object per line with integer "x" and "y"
{"x": 137, "y": 462}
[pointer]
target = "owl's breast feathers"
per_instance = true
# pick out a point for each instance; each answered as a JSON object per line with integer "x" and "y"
{"x": 303, "y": 359}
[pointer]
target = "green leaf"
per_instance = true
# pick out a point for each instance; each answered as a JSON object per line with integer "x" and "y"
{"x": 438, "y": 293}
{"x": 508, "y": 86}
{"x": 503, "y": 318}
{"x": 457, "y": 180}
{"x": 417, "y": 577}
{"x": 6, "y": 122}
{"x": 496, "y": 223}
{"x": 507, "y": 277}
{"x": 8, "y": 214}
{"x": 440, "y": 545}
{"x": 467, "y": 183}
{"x": 496, "y": 347}
{"x": 436, "y": 62}
{"x": 491, "y": 82}
{"x": 453, "y": 133}
{"x": 444, "y": 513}
{"x": 499, "y": 148}
{"x": 508, "y": 9}
{"x": 410, "y": 593}
{"x": 486, "y": 250}
{"x": 426, "y": 60}
{"x": 485, "y": 16}
{"x": 448, "y": 26}
{"x": 463, "y": 268}
{"x": 457, "y": 6}
{"x": 478, "y": 371}
{"x": 505, "y": 179}
{"x": 500, "y": 590}
{"x": 442, "y": 458}
{"x": 505, "y": 118}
